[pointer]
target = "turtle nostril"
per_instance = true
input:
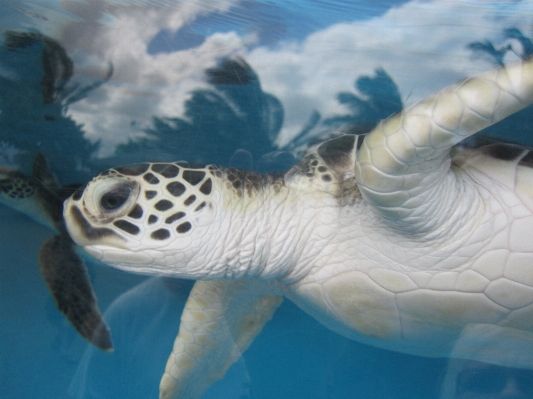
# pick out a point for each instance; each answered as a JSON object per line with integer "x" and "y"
{"x": 115, "y": 198}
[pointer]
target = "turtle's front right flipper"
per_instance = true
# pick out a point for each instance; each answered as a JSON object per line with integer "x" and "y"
{"x": 402, "y": 166}
{"x": 219, "y": 322}
{"x": 67, "y": 279}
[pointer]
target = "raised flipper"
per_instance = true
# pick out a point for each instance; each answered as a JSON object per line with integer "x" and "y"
{"x": 41, "y": 197}
{"x": 402, "y": 162}
{"x": 219, "y": 322}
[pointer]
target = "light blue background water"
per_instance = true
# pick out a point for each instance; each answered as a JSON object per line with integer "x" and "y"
{"x": 141, "y": 89}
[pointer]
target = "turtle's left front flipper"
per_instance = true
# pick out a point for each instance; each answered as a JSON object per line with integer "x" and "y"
{"x": 66, "y": 276}
{"x": 220, "y": 321}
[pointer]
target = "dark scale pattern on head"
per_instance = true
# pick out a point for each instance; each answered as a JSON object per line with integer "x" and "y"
{"x": 206, "y": 187}
{"x": 79, "y": 193}
{"x": 193, "y": 177}
{"x": 127, "y": 226}
{"x": 202, "y": 205}
{"x": 189, "y": 200}
{"x": 250, "y": 183}
{"x": 15, "y": 193}
{"x": 149, "y": 194}
{"x": 176, "y": 188}
{"x": 311, "y": 167}
{"x": 133, "y": 170}
{"x": 183, "y": 228}
{"x": 150, "y": 178}
{"x": 234, "y": 174}
{"x": 167, "y": 170}
{"x": 136, "y": 212}
{"x": 174, "y": 217}
{"x": 218, "y": 173}
{"x": 12, "y": 185}
{"x": 152, "y": 219}
{"x": 163, "y": 205}
{"x": 161, "y": 234}
{"x": 18, "y": 193}
{"x": 329, "y": 169}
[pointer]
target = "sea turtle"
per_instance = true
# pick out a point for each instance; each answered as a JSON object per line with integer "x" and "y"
{"x": 41, "y": 197}
{"x": 396, "y": 240}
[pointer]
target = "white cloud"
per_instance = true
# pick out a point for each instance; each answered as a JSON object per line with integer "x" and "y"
{"x": 421, "y": 44}
{"x": 143, "y": 85}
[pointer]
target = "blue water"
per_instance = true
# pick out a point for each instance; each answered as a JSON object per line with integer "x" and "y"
{"x": 248, "y": 84}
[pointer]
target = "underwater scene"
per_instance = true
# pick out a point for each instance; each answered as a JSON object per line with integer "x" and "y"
{"x": 91, "y": 296}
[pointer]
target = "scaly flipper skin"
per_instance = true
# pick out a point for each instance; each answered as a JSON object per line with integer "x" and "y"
{"x": 405, "y": 159}
{"x": 67, "y": 279}
{"x": 219, "y": 322}
{"x": 41, "y": 197}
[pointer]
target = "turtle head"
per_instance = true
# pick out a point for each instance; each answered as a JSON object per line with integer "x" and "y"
{"x": 149, "y": 217}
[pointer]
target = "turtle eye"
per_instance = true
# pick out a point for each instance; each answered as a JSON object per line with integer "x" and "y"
{"x": 110, "y": 198}
{"x": 115, "y": 198}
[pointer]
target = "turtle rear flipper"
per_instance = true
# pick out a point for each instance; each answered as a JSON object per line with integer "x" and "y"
{"x": 67, "y": 279}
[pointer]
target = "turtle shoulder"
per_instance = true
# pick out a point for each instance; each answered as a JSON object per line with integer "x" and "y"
{"x": 329, "y": 168}
{"x": 504, "y": 166}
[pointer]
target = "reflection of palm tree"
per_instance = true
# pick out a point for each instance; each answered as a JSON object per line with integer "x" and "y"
{"x": 235, "y": 114}
{"x": 516, "y": 127}
{"x": 34, "y": 120}
{"x": 380, "y": 99}
{"x": 487, "y": 48}
{"x": 497, "y": 54}
{"x": 527, "y": 43}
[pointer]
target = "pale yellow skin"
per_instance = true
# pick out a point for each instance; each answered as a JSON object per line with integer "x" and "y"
{"x": 401, "y": 246}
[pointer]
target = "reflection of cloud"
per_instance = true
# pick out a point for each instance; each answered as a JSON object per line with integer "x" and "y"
{"x": 421, "y": 45}
{"x": 150, "y": 86}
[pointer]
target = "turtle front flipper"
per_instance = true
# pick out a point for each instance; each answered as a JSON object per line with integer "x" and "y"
{"x": 405, "y": 160}
{"x": 67, "y": 279}
{"x": 219, "y": 322}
